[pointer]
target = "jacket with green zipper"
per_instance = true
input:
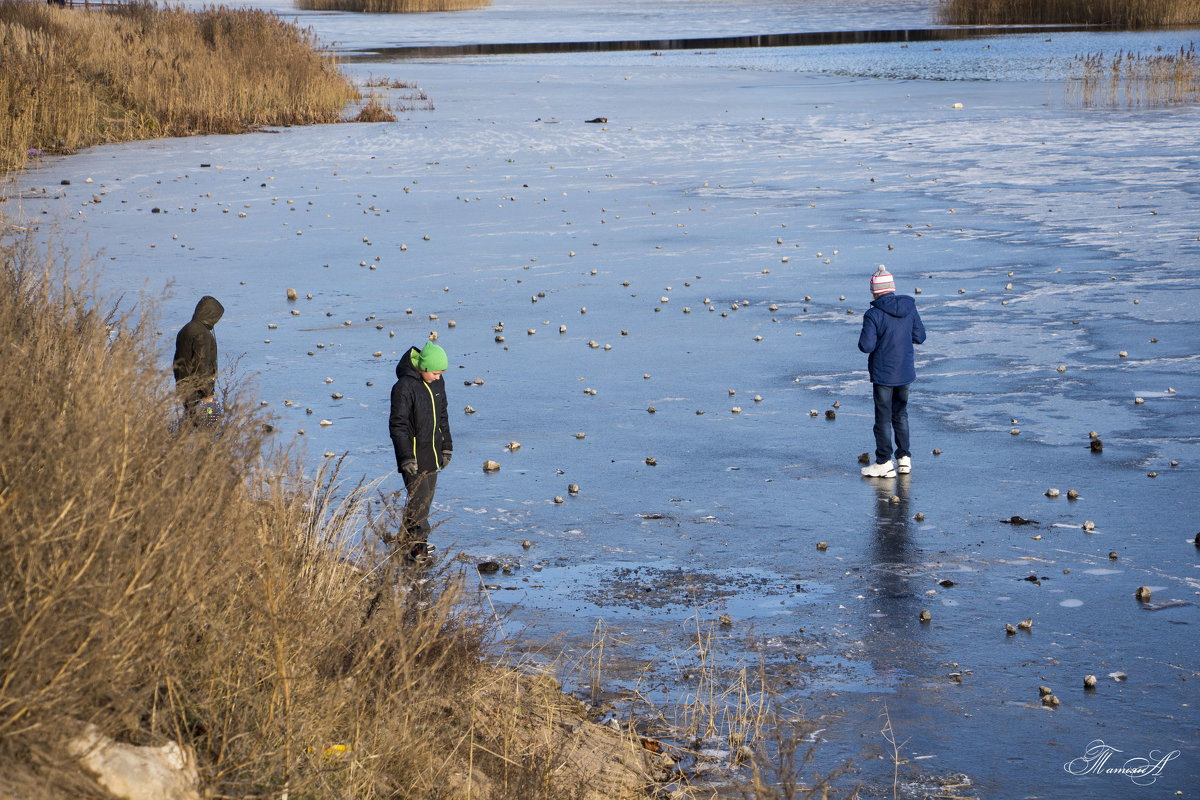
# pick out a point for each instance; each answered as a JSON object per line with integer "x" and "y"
{"x": 419, "y": 425}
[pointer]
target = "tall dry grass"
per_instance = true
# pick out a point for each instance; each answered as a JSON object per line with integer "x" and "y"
{"x": 1133, "y": 79}
{"x": 73, "y": 78}
{"x": 391, "y": 6}
{"x": 197, "y": 588}
{"x": 1126, "y": 14}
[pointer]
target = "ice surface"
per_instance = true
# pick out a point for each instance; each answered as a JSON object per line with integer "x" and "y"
{"x": 705, "y": 161}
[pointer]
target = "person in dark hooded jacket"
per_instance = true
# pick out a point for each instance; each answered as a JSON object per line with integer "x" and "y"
{"x": 420, "y": 430}
{"x": 195, "y": 362}
{"x": 891, "y": 326}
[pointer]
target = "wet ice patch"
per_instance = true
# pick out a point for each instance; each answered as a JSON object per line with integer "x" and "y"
{"x": 1071, "y": 603}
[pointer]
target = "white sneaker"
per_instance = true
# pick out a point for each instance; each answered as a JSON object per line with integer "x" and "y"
{"x": 884, "y": 470}
{"x": 904, "y": 465}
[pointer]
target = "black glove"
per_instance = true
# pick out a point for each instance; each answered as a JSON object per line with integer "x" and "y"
{"x": 409, "y": 468}
{"x": 446, "y": 456}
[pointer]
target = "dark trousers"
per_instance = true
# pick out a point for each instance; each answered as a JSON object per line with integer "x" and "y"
{"x": 420, "y": 499}
{"x": 891, "y": 418}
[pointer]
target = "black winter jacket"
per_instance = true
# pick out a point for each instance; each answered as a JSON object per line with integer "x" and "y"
{"x": 419, "y": 425}
{"x": 195, "y": 362}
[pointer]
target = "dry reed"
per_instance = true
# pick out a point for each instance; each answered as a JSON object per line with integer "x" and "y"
{"x": 74, "y": 78}
{"x": 1132, "y": 79}
{"x": 198, "y": 587}
{"x": 391, "y": 6}
{"x": 1125, "y": 14}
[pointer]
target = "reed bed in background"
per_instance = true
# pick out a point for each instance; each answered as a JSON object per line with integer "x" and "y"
{"x": 194, "y": 587}
{"x": 72, "y": 78}
{"x": 1133, "y": 79}
{"x": 391, "y": 6}
{"x": 1126, "y": 14}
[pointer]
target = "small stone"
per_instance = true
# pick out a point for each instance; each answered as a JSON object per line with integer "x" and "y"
{"x": 1026, "y": 624}
{"x": 499, "y": 338}
{"x": 864, "y": 458}
{"x": 1137, "y": 401}
{"x": 758, "y": 399}
{"x": 1052, "y": 492}
{"x": 336, "y": 395}
{"x": 527, "y": 544}
{"x": 562, "y": 328}
{"x": 1123, "y": 354}
{"x": 919, "y": 517}
{"x": 1151, "y": 474}
{"x": 490, "y": 466}
{"x": 1096, "y": 445}
{"x": 1143, "y": 594}
{"x": 1089, "y": 681}
{"x": 558, "y": 499}
{"x": 325, "y": 423}
{"x": 377, "y": 353}
{"x": 573, "y": 488}
{"x": 894, "y": 500}
{"x": 830, "y": 414}
{"x": 937, "y": 452}
{"x": 725, "y": 620}
{"x": 1113, "y": 555}
{"x": 1015, "y": 431}
{"x": 1062, "y": 367}
{"x": 291, "y": 294}
{"x": 1050, "y": 700}
{"x": 468, "y": 410}
{"x": 1072, "y": 494}
{"x": 580, "y": 435}
{"x": 1009, "y": 629}
{"x": 822, "y": 546}
{"x": 1044, "y": 690}
{"x": 651, "y": 461}
{"x": 651, "y": 409}
{"x": 925, "y": 615}
{"x": 1089, "y": 526}
{"x": 488, "y": 567}
{"x": 814, "y": 413}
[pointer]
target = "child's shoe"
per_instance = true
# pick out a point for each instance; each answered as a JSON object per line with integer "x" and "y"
{"x": 884, "y": 470}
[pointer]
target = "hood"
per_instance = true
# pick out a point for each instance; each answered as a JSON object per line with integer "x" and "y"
{"x": 408, "y": 364}
{"x": 208, "y": 311}
{"x": 895, "y": 305}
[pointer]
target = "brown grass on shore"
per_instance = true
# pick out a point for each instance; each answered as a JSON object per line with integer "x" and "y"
{"x": 391, "y": 6}
{"x": 72, "y": 78}
{"x": 194, "y": 587}
{"x": 1126, "y": 14}
{"x": 1133, "y": 79}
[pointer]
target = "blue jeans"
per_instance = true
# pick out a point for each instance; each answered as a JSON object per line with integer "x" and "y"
{"x": 891, "y": 417}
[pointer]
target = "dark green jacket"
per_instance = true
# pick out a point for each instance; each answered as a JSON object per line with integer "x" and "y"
{"x": 195, "y": 362}
{"x": 418, "y": 424}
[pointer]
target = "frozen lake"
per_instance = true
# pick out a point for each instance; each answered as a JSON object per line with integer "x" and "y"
{"x": 764, "y": 185}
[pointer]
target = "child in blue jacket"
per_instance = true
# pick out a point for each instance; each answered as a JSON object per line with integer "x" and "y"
{"x": 891, "y": 326}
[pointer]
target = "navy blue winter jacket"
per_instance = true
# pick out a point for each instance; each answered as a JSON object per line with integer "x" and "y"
{"x": 890, "y": 328}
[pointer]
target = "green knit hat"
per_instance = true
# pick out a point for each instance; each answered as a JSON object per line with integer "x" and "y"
{"x": 432, "y": 358}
